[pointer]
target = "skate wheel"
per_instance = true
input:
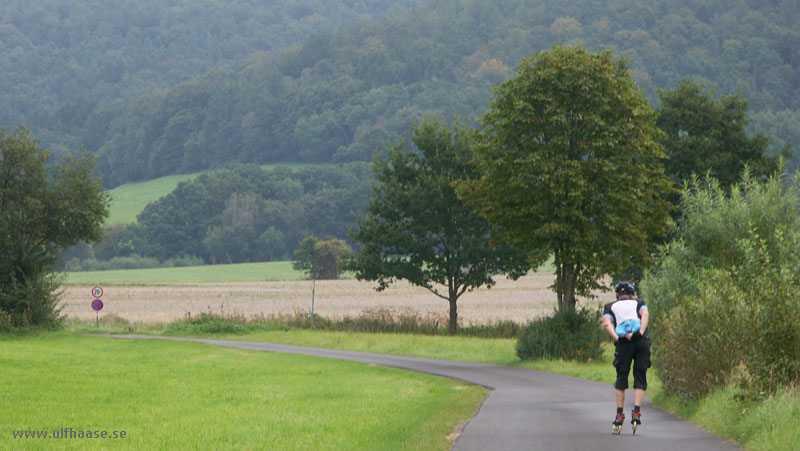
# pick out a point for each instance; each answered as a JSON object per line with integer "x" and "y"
{"x": 635, "y": 425}
{"x": 616, "y": 430}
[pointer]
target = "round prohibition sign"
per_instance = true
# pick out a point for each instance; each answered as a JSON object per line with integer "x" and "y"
{"x": 97, "y": 305}
{"x": 97, "y": 292}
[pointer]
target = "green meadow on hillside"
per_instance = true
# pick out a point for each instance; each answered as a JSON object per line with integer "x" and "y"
{"x": 128, "y": 200}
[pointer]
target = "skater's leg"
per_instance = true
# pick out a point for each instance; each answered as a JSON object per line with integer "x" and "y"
{"x": 620, "y": 398}
{"x": 623, "y": 357}
{"x": 638, "y": 397}
{"x": 640, "y": 366}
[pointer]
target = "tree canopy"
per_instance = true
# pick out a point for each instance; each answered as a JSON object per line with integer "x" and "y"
{"x": 43, "y": 209}
{"x": 340, "y": 94}
{"x": 416, "y": 228}
{"x": 69, "y": 65}
{"x": 568, "y": 165}
{"x": 705, "y": 134}
{"x": 322, "y": 259}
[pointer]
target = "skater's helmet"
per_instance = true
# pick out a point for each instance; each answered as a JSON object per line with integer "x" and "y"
{"x": 624, "y": 288}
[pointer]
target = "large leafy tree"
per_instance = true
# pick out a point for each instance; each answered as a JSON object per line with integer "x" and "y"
{"x": 709, "y": 135}
{"x": 570, "y": 166}
{"x": 43, "y": 209}
{"x": 417, "y": 229}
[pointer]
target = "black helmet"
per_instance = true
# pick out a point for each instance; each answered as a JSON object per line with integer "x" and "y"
{"x": 624, "y": 288}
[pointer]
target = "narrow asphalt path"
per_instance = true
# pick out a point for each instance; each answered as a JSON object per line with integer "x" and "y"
{"x": 527, "y": 409}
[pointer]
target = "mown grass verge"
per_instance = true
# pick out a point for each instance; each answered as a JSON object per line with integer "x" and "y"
{"x": 167, "y": 395}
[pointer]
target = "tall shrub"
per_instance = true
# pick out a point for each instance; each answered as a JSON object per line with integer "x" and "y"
{"x": 724, "y": 296}
{"x": 44, "y": 208}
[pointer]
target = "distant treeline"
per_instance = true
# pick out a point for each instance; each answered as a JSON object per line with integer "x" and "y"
{"x": 66, "y": 65}
{"x": 340, "y": 94}
{"x": 241, "y": 213}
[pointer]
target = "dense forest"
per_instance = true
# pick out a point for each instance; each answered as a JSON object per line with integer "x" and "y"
{"x": 239, "y": 213}
{"x": 340, "y": 94}
{"x": 288, "y": 81}
{"x": 66, "y": 65}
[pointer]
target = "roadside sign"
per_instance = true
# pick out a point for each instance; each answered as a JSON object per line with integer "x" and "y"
{"x": 97, "y": 305}
{"x": 97, "y": 292}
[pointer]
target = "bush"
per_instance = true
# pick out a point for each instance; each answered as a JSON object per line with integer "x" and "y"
{"x": 568, "y": 335}
{"x": 743, "y": 327}
{"x": 723, "y": 298}
{"x": 33, "y": 302}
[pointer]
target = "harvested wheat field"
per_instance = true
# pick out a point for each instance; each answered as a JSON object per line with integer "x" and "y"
{"x": 519, "y": 301}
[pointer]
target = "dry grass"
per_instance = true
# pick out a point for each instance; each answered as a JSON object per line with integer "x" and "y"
{"x": 518, "y": 301}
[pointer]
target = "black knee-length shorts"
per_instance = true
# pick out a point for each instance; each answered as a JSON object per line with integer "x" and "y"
{"x": 638, "y": 353}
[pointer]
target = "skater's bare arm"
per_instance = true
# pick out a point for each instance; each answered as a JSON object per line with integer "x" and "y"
{"x": 610, "y": 328}
{"x": 645, "y": 320}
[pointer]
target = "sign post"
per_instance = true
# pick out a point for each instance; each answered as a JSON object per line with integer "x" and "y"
{"x": 97, "y": 304}
{"x": 313, "y": 289}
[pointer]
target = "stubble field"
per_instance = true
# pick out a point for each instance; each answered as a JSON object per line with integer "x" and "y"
{"x": 519, "y": 301}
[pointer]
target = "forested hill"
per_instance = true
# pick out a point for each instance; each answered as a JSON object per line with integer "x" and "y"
{"x": 68, "y": 66}
{"x": 340, "y": 94}
{"x": 69, "y": 69}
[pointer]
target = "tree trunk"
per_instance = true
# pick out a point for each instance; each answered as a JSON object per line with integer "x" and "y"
{"x": 566, "y": 279}
{"x": 559, "y": 278}
{"x": 570, "y": 278}
{"x": 453, "y": 324}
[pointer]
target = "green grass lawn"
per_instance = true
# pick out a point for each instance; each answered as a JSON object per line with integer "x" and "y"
{"x": 167, "y": 395}
{"x": 239, "y": 272}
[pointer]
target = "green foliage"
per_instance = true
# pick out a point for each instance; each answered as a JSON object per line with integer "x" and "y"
{"x": 568, "y": 164}
{"x": 567, "y": 335}
{"x": 705, "y": 135}
{"x": 713, "y": 223}
{"x": 241, "y": 213}
{"x": 43, "y": 209}
{"x": 417, "y": 229}
{"x": 339, "y": 95}
{"x": 108, "y": 54}
{"x": 322, "y": 259}
{"x": 724, "y": 294}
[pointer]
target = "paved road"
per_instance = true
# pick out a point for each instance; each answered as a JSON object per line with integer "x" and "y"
{"x": 528, "y": 409}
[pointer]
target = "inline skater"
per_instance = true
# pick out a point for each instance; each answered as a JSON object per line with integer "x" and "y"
{"x": 626, "y": 321}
